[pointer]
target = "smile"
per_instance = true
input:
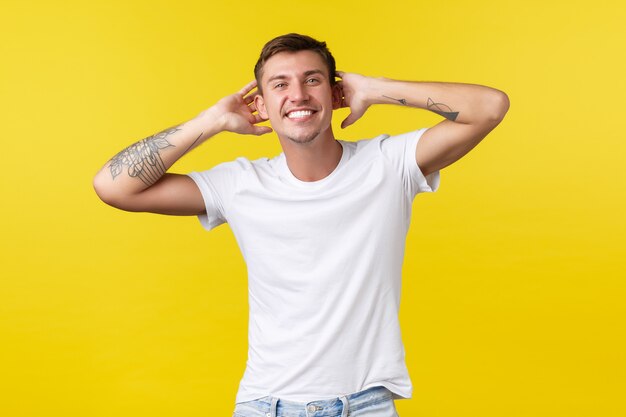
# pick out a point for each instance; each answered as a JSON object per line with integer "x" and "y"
{"x": 299, "y": 114}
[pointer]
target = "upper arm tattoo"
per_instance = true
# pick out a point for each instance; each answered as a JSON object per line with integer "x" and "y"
{"x": 142, "y": 159}
{"x": 441, "y": 109}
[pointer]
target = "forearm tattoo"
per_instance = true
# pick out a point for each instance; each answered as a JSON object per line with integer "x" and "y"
{"x": 441, "y": 109}
{"x": 142, "y": 159}
{"x": 399, "y": 100}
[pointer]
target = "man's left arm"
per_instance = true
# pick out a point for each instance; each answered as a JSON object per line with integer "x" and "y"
{"x": 471, "y": 111}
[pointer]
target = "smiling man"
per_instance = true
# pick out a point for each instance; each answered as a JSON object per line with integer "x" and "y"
{"x": 322, "y": 226}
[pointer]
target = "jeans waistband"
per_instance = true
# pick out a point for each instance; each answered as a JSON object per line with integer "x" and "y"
{"x": 330, "y": 407}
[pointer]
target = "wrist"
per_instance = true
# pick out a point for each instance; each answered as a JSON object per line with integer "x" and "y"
{"x": 377, "y": 90}
{"x": 205, "y": 124}
{"x": 209, "y": 122}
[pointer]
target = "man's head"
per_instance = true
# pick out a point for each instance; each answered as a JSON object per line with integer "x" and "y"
{"x": 293, "y": 42}
{"x": 297, "y": 88}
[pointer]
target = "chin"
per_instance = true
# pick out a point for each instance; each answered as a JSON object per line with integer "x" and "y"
{"x": 304, "y": 138}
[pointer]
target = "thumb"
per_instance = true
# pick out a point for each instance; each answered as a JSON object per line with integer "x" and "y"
{"x": 261, "y": 130}
{"x": 352, "y": 117}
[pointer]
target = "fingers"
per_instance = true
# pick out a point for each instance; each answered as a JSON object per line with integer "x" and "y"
{"x": 256, "y": 118}
{"x": 247, "y": 88}
{"x": 249, "y": 99}
{"x": 340, "y": 74}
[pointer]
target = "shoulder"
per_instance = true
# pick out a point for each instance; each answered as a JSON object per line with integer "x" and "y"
{"x": 239, "y": 170}
{"x": 402, "y": 143}
{"x": 240, "y": 164}
{"x": 363, "y": 145}
{"x": 386, "y": 143}
{"x": 412, "y": 136}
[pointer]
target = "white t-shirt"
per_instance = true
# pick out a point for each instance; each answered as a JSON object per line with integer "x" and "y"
{"x": 324, "y": 263}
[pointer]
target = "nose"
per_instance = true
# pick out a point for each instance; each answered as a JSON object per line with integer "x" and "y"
{"x": 298, "y": 93}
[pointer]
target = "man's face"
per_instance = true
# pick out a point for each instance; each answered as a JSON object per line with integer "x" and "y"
{"x": 297, "y": 96}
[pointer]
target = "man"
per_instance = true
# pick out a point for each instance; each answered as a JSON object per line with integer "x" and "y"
{"x": 322, "y": 226}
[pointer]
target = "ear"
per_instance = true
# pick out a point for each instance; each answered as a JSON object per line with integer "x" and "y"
{"x": 337, "y": 92}
{"x": 259, "y": 102}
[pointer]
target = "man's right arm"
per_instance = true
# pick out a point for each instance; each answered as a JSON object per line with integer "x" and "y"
{"x": 136, "y": 180}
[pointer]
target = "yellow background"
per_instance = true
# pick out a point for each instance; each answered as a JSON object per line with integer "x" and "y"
{"x": 513, "y": 288}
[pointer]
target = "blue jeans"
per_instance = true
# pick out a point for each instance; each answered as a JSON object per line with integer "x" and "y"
{"x": 372, "y": 402}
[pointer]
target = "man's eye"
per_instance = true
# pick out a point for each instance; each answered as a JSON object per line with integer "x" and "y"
{"x": 279, "y": 85}
{"x": 312, "y": 80}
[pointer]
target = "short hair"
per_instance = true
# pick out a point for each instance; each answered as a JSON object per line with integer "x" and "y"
{"x": 294, "y": 42}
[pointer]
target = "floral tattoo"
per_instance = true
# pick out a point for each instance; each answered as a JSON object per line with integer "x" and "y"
{"x": 142, "y": 159}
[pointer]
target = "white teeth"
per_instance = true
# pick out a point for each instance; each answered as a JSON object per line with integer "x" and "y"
{"x": 299, "y": 114}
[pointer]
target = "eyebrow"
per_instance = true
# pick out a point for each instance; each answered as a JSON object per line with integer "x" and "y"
{"x": 282, "y": 76}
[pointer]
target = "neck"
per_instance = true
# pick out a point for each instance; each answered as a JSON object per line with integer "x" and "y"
{"x": 314, "y": 160}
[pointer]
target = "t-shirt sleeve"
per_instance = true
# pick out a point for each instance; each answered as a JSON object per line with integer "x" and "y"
{"x": 217, "y": 186}
{"x": 400, "y": 151}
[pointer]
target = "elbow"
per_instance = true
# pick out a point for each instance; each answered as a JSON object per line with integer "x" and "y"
{"x": 103, "y": 189}
{"x": 499, "y": 106}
